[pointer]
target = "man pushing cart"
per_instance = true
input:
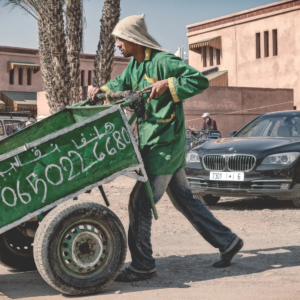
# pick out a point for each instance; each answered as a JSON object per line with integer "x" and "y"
{"x": 162, "y": 145}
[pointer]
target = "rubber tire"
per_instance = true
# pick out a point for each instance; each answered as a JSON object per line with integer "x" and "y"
{"x": 208, "y": 200}
{"x": 296, "y": 202}
{"x": 12, "y": 260}
{"x": 47, "y": 237}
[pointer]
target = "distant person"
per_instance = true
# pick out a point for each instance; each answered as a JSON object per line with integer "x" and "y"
{"x": 208, "y": 123}
{"x": 19, "y": 127}
{"x": 9, "y": 129}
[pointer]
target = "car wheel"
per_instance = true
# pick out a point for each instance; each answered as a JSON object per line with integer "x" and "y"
{"x": 80, "y": 247}
{"x": 296, "y": 202}
{"x": 209, "y": 200}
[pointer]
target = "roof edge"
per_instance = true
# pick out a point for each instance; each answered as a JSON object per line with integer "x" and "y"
{"x": 20, "y": 50}
{"x": 279, "y": 4}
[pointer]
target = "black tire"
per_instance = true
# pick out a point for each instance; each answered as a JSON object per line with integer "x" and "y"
{"x": 80, "y": 247}
{"x": 16, "y": 250}
{"x": 296, "y": 202}
{"x": 208, "y": 200}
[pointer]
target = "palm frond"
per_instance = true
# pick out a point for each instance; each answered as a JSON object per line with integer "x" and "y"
{"x": 23, "y": 4}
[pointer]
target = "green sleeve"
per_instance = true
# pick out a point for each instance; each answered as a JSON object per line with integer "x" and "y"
{"x": 184, "y": 81}
{"x": 120, "y": 83}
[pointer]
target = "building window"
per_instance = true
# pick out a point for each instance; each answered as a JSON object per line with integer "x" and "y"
{"x": 28, "y": 76}
{"x": 211, "y": 56}
{"x": 218, "y": 55}
{"x": 90, "y": 78}
{"x": 258, "y": 45}
{"x": 275, "y": 42}
{"x": 82, "y": 78}
{"x": 203, "y": 50}
{"x": 20, "y": 76}
{"x": 266, "y": 43}
{"x": 11, "y": 76}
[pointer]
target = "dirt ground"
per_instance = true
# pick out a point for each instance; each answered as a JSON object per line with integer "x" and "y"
{"x": 268, "y": 266}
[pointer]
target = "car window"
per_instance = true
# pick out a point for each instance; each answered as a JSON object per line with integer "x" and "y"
{"x": 12, "y": 126}
{"x": 274, "y": 129}
{"x": 279, "y": 126}
{"x": 256, "y": 129}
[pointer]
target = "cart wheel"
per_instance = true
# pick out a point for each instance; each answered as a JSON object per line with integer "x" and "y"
{"x": 16, "y": 251}
{"x": 80, "y": 247}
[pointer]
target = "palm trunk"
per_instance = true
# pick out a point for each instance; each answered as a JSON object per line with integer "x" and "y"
{"x": 103, "y": 63}
{"x": 61, "y": 71}
{"x": 74, "y": 36}
{"x": 46, "y": 61}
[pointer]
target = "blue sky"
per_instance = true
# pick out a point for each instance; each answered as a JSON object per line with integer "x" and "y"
{"x": 166, "y": 20}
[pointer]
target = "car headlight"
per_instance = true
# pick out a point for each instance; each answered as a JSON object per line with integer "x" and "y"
{"x": 281, "y": 158}
{"x": 192, "y": 157}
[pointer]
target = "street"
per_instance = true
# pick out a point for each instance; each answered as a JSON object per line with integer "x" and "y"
{"x": 268, "y": 266}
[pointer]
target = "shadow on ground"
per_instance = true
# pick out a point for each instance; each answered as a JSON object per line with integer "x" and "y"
{"x": 252, "y": 204}
{"x": 173, "y": 272}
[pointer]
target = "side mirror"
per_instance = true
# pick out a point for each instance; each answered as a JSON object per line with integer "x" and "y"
{"x": 232, "y": 133}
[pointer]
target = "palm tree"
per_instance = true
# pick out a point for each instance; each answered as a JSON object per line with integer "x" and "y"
{"x": 59, "y": 47}
{"x": 74, "y": 34}
{"x": 103, "y": 63}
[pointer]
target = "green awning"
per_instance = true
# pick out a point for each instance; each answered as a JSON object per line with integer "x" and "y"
{"x": 215, "y": 75}
{"x": 24, "y": 65}
{"x": 214, "y": 42}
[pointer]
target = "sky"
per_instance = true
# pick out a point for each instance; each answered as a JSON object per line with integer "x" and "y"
{"x": 166, "y": 20}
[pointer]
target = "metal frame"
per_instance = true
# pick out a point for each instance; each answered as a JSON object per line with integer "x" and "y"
{"x": 142, "y": 176}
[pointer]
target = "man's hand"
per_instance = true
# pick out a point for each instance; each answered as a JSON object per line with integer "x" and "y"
{"x": 157, "y": 89}
{"x": 93, "y": 92}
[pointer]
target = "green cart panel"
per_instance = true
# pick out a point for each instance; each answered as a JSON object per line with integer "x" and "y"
{"x": 61, "y": 157}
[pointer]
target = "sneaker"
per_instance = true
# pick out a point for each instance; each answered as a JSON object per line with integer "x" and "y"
{"x": 127, "y": 275}
{"x": 225, "y": 259}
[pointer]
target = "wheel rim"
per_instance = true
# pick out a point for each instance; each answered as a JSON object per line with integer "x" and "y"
{"x": 83, "y": 249}
{"x": 17, "y": 243}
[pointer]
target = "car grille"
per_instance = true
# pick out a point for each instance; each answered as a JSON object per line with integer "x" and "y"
{"x": 215, "y": 162}
{"x": 236, "y": 163}
{"x": 198, "y": 183}
{"x": 228, "y": 185}
{"x": 266, "y": 186}
{"x": 241, "y": 163}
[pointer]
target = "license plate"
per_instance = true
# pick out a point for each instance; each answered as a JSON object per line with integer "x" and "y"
{"x": 227, "y": 176}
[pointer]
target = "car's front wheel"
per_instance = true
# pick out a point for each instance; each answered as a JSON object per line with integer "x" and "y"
{"x": 209, "y": 200}
{"x": 296, "y": 202}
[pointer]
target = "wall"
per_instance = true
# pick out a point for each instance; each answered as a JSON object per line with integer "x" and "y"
{"x": 36, "y": 79}
{"x": 31, "y": 55}
{"x": 42, "y": 105}
{"x": 87, "y": 64}
{"x": 234, "y": 107}
{"x": 239, "y": 47}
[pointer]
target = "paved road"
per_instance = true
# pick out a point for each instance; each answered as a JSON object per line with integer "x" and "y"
{"x": 267, "y": 268}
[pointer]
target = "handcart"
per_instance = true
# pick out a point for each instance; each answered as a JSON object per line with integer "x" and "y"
{"x": 78, "y": 247}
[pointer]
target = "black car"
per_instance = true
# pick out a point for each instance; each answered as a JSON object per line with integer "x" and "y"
{"x": 261, "y": 159}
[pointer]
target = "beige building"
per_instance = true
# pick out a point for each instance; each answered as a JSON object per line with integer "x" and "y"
{"x": 258, "y": 48}
{"x": 21, "y": 78}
